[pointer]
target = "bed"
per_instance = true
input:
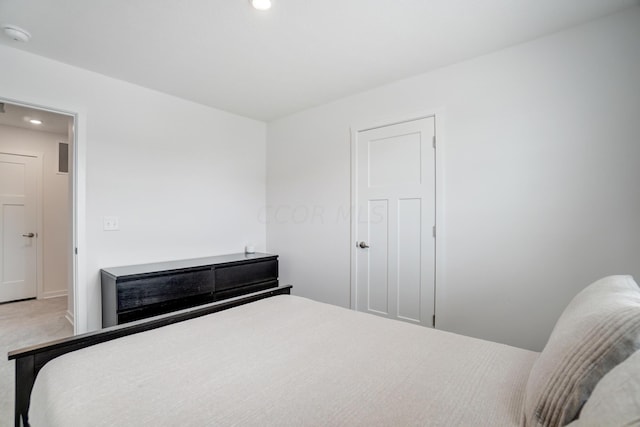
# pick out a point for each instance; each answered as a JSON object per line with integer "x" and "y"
{"x": 271, "y": 358}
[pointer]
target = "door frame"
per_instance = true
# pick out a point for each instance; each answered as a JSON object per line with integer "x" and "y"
{"x": 39, "y": 215}
{"x": 439, "y": 118}
{"x": 79, "y": 317}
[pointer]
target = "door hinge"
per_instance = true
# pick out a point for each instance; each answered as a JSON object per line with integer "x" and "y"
{"x": 75, "y": 250}
{"x": 433, "y": 321}
{"x": 433, "y": 231}
{"x": 434, "y": 141}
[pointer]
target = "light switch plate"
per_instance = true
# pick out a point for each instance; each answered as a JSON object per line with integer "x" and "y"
{"x": 110, "y": 223}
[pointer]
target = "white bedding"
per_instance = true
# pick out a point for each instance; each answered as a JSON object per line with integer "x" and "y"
{"x": 285, "y": 360}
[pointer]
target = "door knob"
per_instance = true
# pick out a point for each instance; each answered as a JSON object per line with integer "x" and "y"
{"x": 363, "y": 245}
{"x": 29, "y": 235}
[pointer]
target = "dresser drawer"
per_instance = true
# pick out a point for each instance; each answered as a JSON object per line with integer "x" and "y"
{"x": 166, "y": 287}
{"x": 227, "y": 277}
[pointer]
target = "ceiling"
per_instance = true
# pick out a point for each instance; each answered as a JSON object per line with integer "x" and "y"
{"x": 19, "y": 116}
{"x": 301, "y": 53}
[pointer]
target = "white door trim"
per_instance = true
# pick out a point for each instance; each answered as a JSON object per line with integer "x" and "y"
{"x": 439, "y": 116}
{"x": 39, "y": 214}
{"x": 78, "y": 200}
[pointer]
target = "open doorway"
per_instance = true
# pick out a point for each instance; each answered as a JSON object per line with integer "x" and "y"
{"x": 36, "y": 205}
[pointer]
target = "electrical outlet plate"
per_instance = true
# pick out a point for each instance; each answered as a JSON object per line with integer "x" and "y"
{"x": 110, "y": 223}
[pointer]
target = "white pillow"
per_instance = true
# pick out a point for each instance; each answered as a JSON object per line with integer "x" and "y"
{"x": 599, "y": 329}
{"x": 616, "y": 399}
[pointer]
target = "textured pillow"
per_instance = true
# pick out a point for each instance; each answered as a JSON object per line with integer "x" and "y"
{"x": 599, "y": 329}
{"x": 616, "y": 399}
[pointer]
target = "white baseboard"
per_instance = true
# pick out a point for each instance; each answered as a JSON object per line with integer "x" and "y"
{"x": 69, "y": 317}
{"x": 54, "y": 294}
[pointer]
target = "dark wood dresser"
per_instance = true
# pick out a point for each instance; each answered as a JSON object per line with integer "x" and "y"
{"x": 139, "y": 291}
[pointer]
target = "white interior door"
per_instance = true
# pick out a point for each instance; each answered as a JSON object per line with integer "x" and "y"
{"x": 18, "y": 226}
{"x": 395, "y": 219}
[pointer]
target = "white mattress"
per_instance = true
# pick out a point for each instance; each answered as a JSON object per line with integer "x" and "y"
{"x": 280, "y": 361}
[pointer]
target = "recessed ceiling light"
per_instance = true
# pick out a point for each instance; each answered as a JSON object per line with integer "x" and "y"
{"x": 35, "y": 122}
{"x": 261, "y": 4}
{"x": 16, "y": 33}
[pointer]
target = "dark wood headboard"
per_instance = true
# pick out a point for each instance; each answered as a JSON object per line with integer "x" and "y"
{"x": 30, "y": 360}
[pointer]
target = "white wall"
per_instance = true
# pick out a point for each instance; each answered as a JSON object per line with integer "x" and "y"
{"x": 185, "y": 180}
{"x": 55, "y": 204}
{"x": 541, "y": 169}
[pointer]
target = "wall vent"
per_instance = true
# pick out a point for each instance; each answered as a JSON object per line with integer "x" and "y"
{"x": 63, "y": 157}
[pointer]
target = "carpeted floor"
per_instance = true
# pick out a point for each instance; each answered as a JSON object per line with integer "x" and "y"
{"x": 22, "y": 324}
